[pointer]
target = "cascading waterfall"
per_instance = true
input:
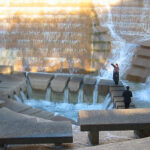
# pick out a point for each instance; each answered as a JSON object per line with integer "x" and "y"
{"x": 80, "y": 94}
{"x": 48, "y": 94}
{"x": 23, "y": 96}
{"x": 107, "y": 101}
{"x": 29, "y": 89}
{"x": 66, "y": 94}
{"x": 95, "y": 92}
{"x": 122, "y": 51}
{"x": 17, "y": 98}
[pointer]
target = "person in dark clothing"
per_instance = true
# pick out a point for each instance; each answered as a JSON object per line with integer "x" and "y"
{"x": 115, "y": 73}
{"x": 127, "y": 94}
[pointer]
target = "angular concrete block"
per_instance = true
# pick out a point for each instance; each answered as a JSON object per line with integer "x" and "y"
{"x": 39, "y": 81}
{"x": 137, "y": 74}
{"x": 74, "y": 84}
{"x": 59, "y": 83}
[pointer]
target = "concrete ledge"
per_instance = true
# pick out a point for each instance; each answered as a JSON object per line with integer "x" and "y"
{"x": 16, "y": 106}
{"x": 23, "y": 129}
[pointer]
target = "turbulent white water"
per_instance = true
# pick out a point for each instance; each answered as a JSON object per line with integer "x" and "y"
{"x": 63, "y": 109}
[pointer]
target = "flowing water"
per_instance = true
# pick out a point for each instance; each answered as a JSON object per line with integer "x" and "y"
{"x": 122, "y": 53}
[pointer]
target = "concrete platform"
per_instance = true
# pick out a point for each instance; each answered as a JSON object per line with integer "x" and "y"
{"x": 104, "y": 85}
{"x": 137, "y": 144}
{"x": 23, "y": 129}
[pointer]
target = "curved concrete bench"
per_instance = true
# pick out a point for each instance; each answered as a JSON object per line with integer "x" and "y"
{"x": 16, "y": 128}
{"x": 113, "y": 120}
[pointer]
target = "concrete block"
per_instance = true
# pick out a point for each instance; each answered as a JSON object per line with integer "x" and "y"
{"x": 141, "y": 62}
{"x": 74, "y": 84}
{"x": 137, "y": 74}
{"x": 17, "y": 128}
{"x": 59, "y": 83}
{"x": 39, "y": 81}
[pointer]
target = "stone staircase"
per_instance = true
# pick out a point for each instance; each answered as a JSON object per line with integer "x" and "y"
{"x": 139, "y": 70}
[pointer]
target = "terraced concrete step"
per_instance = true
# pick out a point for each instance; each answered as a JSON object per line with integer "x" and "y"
{"x": 146, "y": 43}
{"x": 74, "y": 84}
{"x": 59, "y": 83}
{"x": 16, "y": 106}
{"x": 23, "y": 129}
{"x": 44, "y": 114}
{"x": 137, "y": 74}
{"x": 116, "y": 94}
{"x": 116, "y": 88}
{"x": 141, "y": 62}
{"x": 31, "y": 111}
{"x": 119, "y": 105}
{"x": 39, "y": 81}
{"x": 144, "y": 52}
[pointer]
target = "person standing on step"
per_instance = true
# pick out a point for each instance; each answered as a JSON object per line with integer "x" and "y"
{"x": 127, "y": 94}
{"x": 115, "y": 73}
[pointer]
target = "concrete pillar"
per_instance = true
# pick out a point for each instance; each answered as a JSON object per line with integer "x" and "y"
{"x": 93, "y": 137}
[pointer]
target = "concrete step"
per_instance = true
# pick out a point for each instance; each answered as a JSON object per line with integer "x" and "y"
{"x": 116, "y": 88}
{"x": 23, "y": 129}
{"x": 16, "y": 106}
{"x": 74, "y": 84}
{"x": 39, "y": 81}
{"x": 59, "y": 83}
{"x": 143, "y": 52}
{"x": 137, "y": 74}
{"x": 141, "y": 62}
